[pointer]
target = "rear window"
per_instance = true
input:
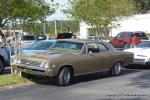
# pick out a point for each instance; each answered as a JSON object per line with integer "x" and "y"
{"x": 143, "y": 34}
{"x": 28, "y": 38}
{"x": 64, "y": 35}
{"x": 140, "y": 34}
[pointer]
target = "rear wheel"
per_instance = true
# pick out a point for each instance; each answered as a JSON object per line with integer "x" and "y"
{"x": 2, "y": 66}
{"x": 64, "y": 77}
{"x": 126, "y": 46}
{"x": 116, "y": 69}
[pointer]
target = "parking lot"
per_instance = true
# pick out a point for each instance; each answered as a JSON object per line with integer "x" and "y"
{"x": 133, "y": 84}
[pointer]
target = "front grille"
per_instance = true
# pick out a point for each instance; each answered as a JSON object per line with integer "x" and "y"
{"x": 139, "y": 60}
{"x": 30, "y": 62}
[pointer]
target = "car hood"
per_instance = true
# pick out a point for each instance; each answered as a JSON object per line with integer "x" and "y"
{"x": 46, "y": 55}
{"x": 139, "y": 51}
{"x": 31, "y": 51}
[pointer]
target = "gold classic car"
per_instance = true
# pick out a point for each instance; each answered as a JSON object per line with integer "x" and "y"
{"x": 68, "y": 58}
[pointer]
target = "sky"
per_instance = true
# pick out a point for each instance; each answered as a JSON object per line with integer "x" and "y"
{"x": 58, "y": 15}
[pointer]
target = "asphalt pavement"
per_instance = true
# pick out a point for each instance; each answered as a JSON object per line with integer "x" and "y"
{"x": 133, "y": 84}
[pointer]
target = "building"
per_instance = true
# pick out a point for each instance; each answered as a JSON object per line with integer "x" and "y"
{"x": 133, "y": 23}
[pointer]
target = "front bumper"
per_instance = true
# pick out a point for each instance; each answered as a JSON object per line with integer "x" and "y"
{"x": 33, "y": 70}
{"x": 141, "y": 61}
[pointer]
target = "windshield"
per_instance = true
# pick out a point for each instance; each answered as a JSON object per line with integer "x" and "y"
{"x": 67, "y": 46}
{"x": 143, "y": 44}
{"x": 40, "y": 45}
{"x": 28, "y": 38}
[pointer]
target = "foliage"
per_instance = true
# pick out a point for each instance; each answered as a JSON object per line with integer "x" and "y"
{"x": 142, "y": 6}
{"x": 101, "y": 13}
{"x": 24, "y": 11}
{"x": 36, "y": 28}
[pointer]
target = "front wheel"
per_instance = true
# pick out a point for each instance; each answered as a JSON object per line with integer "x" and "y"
{"x": 2, "y": 66}
{"x": 116, "y": 69}
{"x": 64, "y": 77}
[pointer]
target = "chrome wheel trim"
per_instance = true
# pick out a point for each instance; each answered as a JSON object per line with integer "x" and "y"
{"x": 117, "y": 68}
{"x": 67, "y": 77}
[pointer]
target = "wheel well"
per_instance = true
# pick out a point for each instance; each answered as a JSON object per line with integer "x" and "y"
{"x": 66, "y": 66}
{"x": 119, "y": 61}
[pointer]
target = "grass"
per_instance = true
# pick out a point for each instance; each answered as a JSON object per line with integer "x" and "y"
{"x": 13, "y": 79}
{"x": 8, "y": 79}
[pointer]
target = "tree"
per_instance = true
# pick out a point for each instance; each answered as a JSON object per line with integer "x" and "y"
{"x": 142, "y": 6}
{"x": 24, "y": 10}
{"x": 101, "y": 14}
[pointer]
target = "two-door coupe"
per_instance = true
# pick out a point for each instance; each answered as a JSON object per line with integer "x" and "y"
{"x": 68, "y": 58}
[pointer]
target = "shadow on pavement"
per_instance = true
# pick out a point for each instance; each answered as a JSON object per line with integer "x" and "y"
{"x": 140, "y": 67}
{"x": 100, "y": 75}
{"x": 80, "y": 79}
{"x": 142, "y": 80}
{"x": 145, "y": 77}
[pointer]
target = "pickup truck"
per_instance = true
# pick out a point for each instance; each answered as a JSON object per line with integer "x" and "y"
{"x": 4, "y": 58}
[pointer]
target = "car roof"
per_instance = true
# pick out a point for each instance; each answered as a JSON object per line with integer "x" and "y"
{"x": 47, "y": 40}
{"x": 81, "y": 40}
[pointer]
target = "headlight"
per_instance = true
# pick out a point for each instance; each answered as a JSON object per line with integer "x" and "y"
{"x": 45, "y": 65}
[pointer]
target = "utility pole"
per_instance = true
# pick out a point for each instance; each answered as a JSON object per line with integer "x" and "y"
{"x": 44, "y": 28}
{"x": 55, "y": 27}
{"x": 61, "y": 26}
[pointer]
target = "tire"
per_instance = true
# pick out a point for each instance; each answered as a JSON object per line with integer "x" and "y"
{"x": 2, "y": 66}
{"x": 64, "y": 77}
{"x": 116, "y": 69}
{"x": 126, "y": 46}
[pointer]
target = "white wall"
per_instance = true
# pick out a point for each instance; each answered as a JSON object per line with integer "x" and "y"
{"x": 84, "y": 30}
{"x": 132, "y": 23}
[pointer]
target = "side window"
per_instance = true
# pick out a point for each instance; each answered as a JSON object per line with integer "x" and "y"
{"x": 103, "y": 48}
{"x": 121, "y": 35}
{"x": 93, "y": 47}
{"x": 130, "y": 35}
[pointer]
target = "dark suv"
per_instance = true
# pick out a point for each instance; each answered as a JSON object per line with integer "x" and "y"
{"x": 125, "y": 39}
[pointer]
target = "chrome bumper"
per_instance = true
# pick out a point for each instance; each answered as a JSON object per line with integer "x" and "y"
{"x": 33, "y": 70}
{"x": 141, "y": 62}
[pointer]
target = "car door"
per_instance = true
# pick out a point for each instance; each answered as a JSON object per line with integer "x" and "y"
{"x": 104, "y": 57}
{"x": 118, "y": 41}
{"x": 90, "y": 58}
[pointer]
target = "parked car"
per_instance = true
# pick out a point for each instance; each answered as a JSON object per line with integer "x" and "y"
{"x": 125, "y": 39}
{"x": 38, "y": 46}
{"x": 68, "y": 58}
{"x": 64, "y": 35}
{"x": 96, "y": 38}
{"x": 23, "y": 41}
{"x": 141, "y": 53}
{"x": 10, "y": 41}
{"x": 4, "y": 58}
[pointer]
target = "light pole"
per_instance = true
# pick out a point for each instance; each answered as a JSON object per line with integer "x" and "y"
{"x": 55, "y": 27}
